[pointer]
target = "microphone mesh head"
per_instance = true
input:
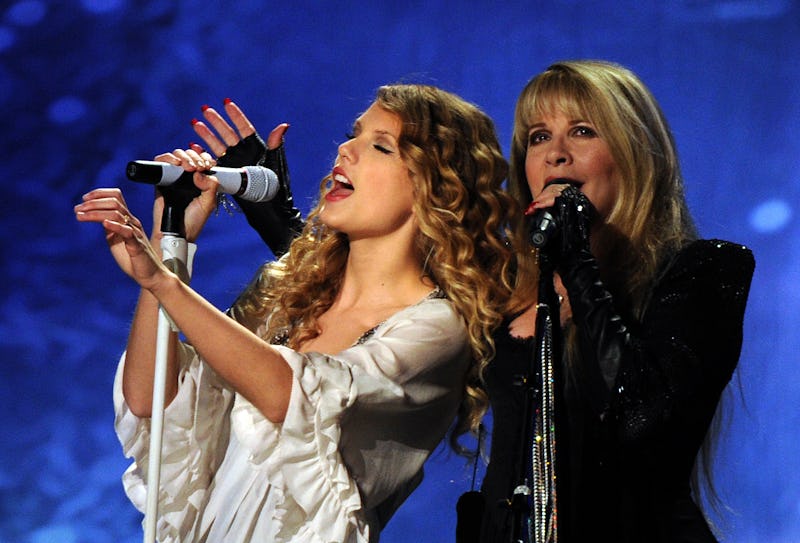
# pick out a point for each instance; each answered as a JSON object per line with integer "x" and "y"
{"x": 262, "y": 184}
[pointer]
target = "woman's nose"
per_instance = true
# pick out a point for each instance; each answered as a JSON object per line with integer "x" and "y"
{"x": 558, "y": 153}
{"x": 346, "y": 150}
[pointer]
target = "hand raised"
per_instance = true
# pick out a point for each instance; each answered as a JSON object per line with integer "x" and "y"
{"x": 129, "y": 245}
{"x": 228, "y": 136}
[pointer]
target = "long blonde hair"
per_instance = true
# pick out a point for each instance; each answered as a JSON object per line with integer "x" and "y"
{"x": 458, "y": 168}
{"x": 650, "y": 219}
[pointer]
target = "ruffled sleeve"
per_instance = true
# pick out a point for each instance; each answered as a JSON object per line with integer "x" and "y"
{"x": 196, "y": 431}
{"x": 359, "y": 425}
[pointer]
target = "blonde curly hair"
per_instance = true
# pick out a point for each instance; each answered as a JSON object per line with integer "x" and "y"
{"x": 451, "y": 148}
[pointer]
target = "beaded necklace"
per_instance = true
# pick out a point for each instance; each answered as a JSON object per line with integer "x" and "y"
{"x": 542, "y": 523}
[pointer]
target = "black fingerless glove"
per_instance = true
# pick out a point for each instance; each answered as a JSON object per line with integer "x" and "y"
{"x": 277, "y": 221}
{"x": 602, "y": 334}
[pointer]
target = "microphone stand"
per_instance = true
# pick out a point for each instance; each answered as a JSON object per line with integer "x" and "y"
{"x": 175, "y": 255}
{"x": 533, "y": 501}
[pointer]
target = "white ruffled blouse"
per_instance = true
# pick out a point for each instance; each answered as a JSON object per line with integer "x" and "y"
{"x": 359, "y": 427}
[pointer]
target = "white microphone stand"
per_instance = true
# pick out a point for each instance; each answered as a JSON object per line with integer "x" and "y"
{"x": 175, "y": 255}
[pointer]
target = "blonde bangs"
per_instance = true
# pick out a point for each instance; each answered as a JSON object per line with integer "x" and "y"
{"x": 551, "y": 93}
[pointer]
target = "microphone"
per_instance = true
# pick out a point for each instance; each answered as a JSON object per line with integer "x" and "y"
{"x": 543, "y": 224}
{"x": 251, "y": 183}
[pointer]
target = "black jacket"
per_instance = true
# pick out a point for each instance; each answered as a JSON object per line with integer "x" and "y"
{"x": 624, "y": 465}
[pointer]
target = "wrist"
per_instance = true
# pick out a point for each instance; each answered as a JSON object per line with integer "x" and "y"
{"x": 165, "y": 282}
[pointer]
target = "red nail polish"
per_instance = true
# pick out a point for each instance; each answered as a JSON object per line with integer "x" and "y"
{"x": 227, "y": 101}
{"x": 204, "y": 107}
{"x": 531, "y": 209}
{"x": 194, "y": 122}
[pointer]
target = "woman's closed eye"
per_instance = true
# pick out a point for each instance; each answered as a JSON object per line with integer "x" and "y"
{"x": 377, "y": 146}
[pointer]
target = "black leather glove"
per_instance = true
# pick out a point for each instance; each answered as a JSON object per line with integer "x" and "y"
{"x": 277, "y": 221}
{"x": 602, "y": 334}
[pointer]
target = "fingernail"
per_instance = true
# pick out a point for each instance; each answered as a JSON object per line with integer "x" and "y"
{"x": 194, "y": 122}
{"x": 204, "y": 107}
{"x": 227, "y": 101}
{"x": 531, "y": 208}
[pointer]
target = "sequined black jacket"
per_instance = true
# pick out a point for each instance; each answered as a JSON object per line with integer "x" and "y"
{"x": 624, "y": 463}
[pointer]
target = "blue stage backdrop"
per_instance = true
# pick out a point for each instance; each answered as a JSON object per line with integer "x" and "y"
{"x": 87, "y": 85}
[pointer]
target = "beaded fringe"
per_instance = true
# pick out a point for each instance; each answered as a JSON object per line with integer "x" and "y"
{"x": 542, "y": 523}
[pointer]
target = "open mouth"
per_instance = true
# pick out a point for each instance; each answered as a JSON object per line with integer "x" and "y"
{"x": 341, "y": 188}
{"x": 341, "y": 182}
{"x": 564, "y": 181}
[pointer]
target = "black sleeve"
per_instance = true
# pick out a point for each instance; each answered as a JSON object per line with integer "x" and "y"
{"x": 602, "y": 334}
{"x": 674, "y": 367}
{"x": 277, "y": 221}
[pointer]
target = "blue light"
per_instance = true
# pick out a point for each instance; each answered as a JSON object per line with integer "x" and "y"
{"x": 102, "y": 6}
{"x": 26, "y": 13}
{"x": 66, "y": 110}
{"x": 61, "y": 533}
{"x": 771, "y": 216}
